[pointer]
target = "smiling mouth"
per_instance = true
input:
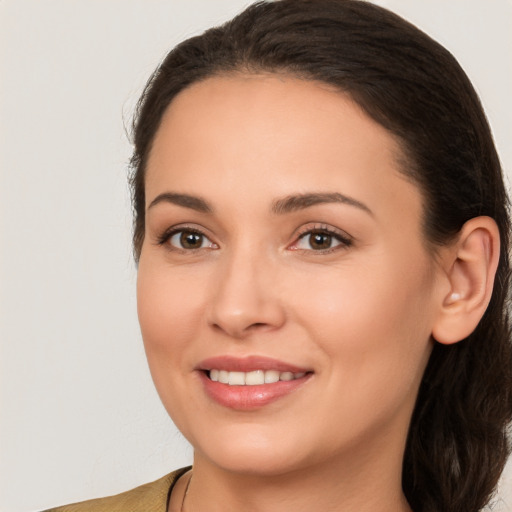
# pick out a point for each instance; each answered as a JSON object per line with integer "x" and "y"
{"x": 252, "y": 378}
{"x": 251, "y": 382}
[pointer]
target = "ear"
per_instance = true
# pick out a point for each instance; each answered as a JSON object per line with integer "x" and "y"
{"x": 470, "y": 265}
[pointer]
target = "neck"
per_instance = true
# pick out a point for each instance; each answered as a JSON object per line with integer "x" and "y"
{"x": 373, "y": 484}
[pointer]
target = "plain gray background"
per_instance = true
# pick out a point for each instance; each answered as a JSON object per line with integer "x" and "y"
{"x": 79, "y": 415}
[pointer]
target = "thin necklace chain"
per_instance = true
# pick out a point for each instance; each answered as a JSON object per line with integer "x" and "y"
{"x": 182, "y": 509}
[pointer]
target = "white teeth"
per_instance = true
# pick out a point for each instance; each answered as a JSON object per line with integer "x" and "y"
{"x": 271, "y": 376}
{"x": 254, "y": 378}
{"x": 236, "y": 378}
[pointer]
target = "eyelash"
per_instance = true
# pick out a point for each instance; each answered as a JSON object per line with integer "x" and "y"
{"x": 167, "y": 235}
{"x": 344, "y": 240}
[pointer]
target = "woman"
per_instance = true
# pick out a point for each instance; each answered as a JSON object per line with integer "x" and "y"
{"x": 322, "y": 231}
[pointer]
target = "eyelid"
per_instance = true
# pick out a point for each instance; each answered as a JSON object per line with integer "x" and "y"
{"x": 343, "y": 237}
{"x": 168, "y": 233}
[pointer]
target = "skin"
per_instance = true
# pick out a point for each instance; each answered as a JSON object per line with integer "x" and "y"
{"x": 359, "y": 315}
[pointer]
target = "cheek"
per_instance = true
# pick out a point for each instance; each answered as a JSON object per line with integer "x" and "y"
{"x": 374, "y": 335}
{"x": 373, "y": 319}
{"x": 168, "y": 306}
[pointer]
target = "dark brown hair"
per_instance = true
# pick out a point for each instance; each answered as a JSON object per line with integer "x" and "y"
{"x": 457, "y": 444}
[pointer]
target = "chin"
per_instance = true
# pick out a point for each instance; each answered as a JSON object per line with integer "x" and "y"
{"x": 254, "y": 464}
{"x": 251, "y": 452}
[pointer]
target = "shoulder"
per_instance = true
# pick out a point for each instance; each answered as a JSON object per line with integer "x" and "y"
{"x": 151, "y": 497}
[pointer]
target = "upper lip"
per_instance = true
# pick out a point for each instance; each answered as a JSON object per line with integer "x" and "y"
{"x": 248, "y": 364}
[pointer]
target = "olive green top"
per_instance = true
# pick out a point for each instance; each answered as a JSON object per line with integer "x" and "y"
{"x": 152, "y": 497}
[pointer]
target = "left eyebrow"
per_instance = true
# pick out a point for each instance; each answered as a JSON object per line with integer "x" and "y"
{"x": 302, "y": 201}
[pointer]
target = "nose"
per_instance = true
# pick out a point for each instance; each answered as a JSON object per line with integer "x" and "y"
{"x": 246, "y": 298}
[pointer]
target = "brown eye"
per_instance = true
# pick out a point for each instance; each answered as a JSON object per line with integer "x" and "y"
{"x": 319, "y": 241}
{"x": 190, "y": 240}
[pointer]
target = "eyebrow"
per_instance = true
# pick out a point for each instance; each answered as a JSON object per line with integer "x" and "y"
{"x": 185, "y": 200}
{"x": 282, "y": 206}
{"x": 302, "y": 201}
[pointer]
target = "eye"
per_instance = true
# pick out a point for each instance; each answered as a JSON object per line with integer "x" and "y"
{"x": 187, "y": 239}
{"x": 321, "y": 240}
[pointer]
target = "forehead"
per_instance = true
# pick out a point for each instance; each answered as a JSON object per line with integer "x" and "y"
{"x": 275, "y": 104}
{"x": 274, "y": 135}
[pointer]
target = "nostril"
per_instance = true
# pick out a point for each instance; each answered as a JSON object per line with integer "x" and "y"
{"x": 259, "y": 326}
{"x": 238, "y": 318}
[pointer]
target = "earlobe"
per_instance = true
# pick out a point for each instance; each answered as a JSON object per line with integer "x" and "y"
{"x": 470, "y": 265}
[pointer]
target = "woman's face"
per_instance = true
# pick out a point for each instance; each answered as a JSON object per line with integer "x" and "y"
{"x": 282, "y": 242}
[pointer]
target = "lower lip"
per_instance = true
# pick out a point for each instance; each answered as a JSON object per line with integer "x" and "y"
{"x": 244, "y": 398}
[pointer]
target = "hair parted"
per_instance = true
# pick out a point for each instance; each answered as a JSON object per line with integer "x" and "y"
{"x": 457, "y": 444}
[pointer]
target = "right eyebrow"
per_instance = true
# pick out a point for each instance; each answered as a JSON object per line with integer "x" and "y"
{"x": 185, "y": 200}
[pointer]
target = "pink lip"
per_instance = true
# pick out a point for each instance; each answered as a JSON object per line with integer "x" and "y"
{"x": 245, "y": 398}
{"x": 248, "y": 364}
